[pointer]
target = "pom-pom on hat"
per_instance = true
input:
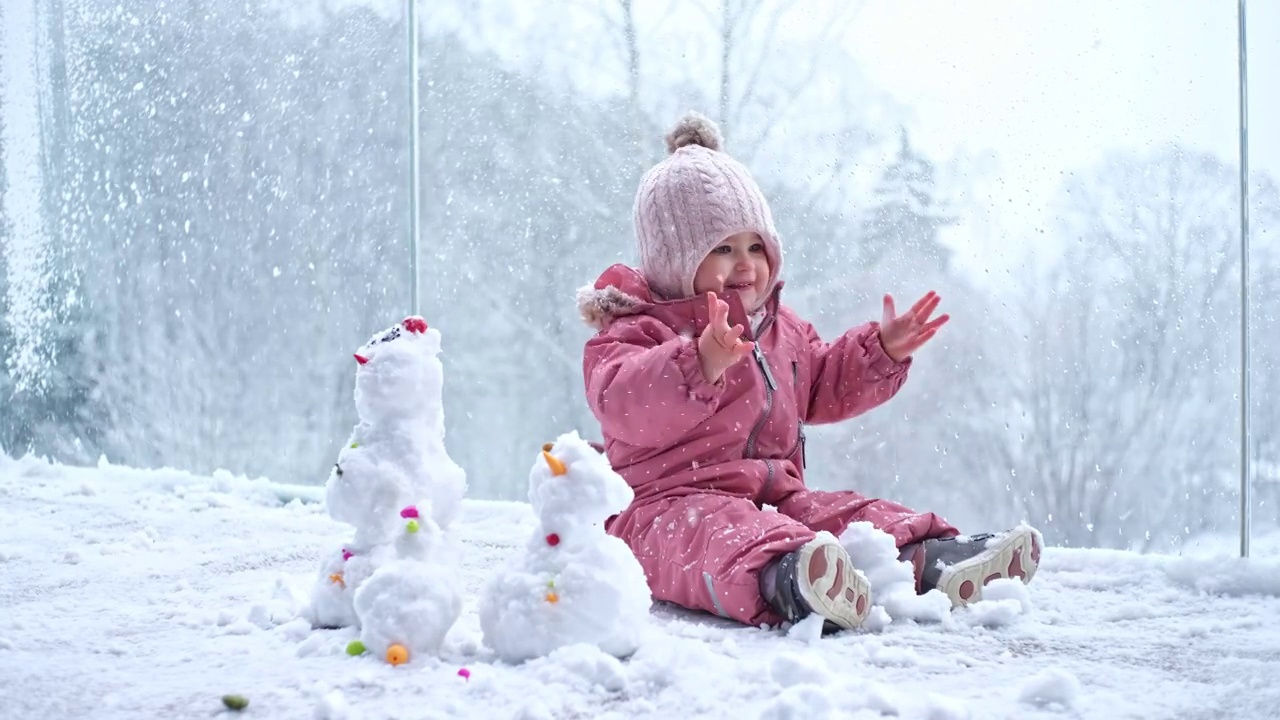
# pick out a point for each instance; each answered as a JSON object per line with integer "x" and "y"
{"x": 690, "y": 202}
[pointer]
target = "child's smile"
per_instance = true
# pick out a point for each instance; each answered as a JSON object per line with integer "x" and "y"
{"x": 738, "y": 264}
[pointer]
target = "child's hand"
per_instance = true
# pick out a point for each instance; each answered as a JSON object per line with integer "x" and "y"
{"x": 902, "y": 335}
{"x": 720, "y": 346}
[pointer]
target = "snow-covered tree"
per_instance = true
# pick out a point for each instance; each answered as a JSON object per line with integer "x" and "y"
{"x": 50, "y": 404}
{"x": 903, "y": 218}
{"x": 1264, "y": 319}
{"x": 853, "y": 249}
{"x": 8, "y": 421}
{"x": 1118, "y": 401}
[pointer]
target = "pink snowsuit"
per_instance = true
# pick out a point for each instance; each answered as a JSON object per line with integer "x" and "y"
{"x": 703, "y": 458}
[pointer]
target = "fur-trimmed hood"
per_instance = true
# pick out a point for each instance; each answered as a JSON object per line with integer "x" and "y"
{"x": 619, "y": 291}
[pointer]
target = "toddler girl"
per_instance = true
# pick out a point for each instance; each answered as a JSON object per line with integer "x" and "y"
{"x": 703, "y": 382}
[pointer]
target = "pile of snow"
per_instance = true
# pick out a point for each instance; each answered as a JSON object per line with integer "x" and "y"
{"x": 893, "y": 582}
{"x": 1051, "y": 688}
{"x": 893, "y": 588}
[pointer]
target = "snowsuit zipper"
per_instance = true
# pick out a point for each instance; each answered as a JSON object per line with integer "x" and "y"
{"x": 764, "y": 367}
{"x": 770, "y": 386}
{"x": 795, "y": 387}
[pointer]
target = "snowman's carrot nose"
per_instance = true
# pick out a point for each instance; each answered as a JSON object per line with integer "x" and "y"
{"x": 557, "y": 467}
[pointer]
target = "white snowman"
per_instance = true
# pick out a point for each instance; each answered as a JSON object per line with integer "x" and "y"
{"x": 574, "y": 583}
{"x": 400, "y": 436}
{"x": 396, "y": 484}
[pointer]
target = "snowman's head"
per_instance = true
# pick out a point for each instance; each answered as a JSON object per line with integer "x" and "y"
{"x": 572, "y": 486}
{"x": 397, "y": 372}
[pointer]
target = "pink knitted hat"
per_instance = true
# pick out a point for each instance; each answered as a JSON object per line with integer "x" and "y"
{"x": 690, "y": 202}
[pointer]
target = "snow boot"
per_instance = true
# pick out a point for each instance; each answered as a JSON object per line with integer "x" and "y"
{"x": 817, "y": 578}
{"x": 961, "y": 566}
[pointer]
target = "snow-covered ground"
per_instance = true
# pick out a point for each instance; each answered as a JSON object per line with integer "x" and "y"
{"x": 151, "y": 594}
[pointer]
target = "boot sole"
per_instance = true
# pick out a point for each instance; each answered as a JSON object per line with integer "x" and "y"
{"x": 1016, "y": 555}
{"x": 832, "y": 587}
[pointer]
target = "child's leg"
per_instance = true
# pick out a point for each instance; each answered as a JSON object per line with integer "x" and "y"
{"x": 705, "y": 551}
{"x": 835, "y": 511}
{"x": 958, "y": 567}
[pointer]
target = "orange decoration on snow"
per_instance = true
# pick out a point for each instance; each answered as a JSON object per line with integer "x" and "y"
{"x": 397, "y": 655}
{"x": 553, "y": 598}
{"x": 336, "y": 579}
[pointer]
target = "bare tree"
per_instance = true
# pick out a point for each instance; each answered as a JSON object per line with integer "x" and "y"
{"x": 754, "y": 99}
{"x": 1118, "y": 404}
{"x": 633, "y": 77}
{"x": 1264, "y": 287}
{"x": 760, "y": 75}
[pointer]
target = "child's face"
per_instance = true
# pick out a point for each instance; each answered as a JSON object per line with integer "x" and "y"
{"x": 738, "y": 264}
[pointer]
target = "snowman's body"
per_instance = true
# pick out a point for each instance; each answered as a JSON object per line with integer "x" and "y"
{"x": 396, "y": 484}
{"x": 574, "y": 583}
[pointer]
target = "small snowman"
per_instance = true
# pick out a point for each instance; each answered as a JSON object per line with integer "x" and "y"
{"x": 396, "y": 484}
{"x": 574, "y": 583}
{"x": 408, "y": 604}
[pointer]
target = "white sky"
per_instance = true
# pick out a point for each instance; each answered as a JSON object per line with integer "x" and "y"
{"x": 1059, "y": 82}
{"x": 1051, "y": 87}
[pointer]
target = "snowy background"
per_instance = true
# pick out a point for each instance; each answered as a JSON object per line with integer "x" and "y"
{"x": 139, "y": 594}
{"x": 203, "y": 210}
